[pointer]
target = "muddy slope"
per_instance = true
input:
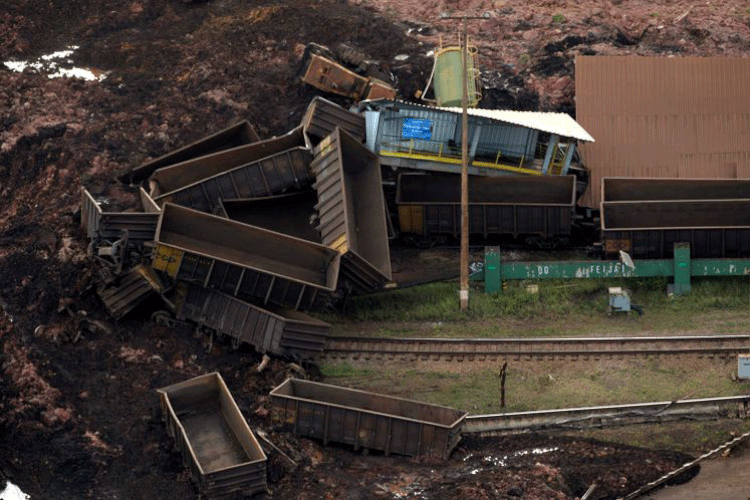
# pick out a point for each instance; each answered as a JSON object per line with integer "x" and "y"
{"x": 77, "y": 400}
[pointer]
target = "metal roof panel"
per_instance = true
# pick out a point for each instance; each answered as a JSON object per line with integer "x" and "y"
{"x": 561, "y": 124}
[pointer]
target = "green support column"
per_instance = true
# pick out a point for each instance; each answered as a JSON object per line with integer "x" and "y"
{"x": 681, "y": 268}
{"x": 491, "y": 269}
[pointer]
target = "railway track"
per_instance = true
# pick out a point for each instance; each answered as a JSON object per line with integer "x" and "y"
{"x": 607, "y": 416}
{"x": 369, "y": 348}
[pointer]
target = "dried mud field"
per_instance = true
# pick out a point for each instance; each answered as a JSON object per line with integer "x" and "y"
{"x": 78, "y": 410}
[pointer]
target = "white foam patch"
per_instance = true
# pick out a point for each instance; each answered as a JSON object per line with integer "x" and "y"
{"x": 49, "y": 64}
{"x": 13, "y": 492}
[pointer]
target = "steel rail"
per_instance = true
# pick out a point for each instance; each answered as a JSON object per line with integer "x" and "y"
{"x": 607, "y": 416}
{"x": 441, "y": 348}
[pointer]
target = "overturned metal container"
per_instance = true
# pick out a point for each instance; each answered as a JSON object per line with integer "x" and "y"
{"x": 323, "y": 116}
{"x": 365, "y": 419}
{"x": 277, "y": 173}
{"x": 289, "y": 214}
{"x": 217, "y": 446}
{"x": 279, "y": 331}
{"x": 245, "y": 261}
{"x": 329, "y": 76}
{"x": 102, "y": 225}
{"x": 351, "y": 210}
{"x": 231, "y": 137}
{"x": 182, "y": 175}
{"x": 126, "y": 292}
{"x": 645, "y": 217}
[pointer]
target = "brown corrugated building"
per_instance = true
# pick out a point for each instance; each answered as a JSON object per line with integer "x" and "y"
{"x": 677, "y": 117}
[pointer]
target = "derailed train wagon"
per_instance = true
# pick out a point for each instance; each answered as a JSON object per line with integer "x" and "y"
{"x": 323, "y": 116}
{"x": 646, "y": 217}
{"x": 539, "y": 209}
{"x": 280, "y": 331}
{"x": 245, "y": 261}
{"x": 270, "y": 175}
{"x": 351, "y": 210}
{"x": 289, "y": 214}
{"x": 365, "y": 419}
{"x": 103, "y": 225}
{"x": 126, "y": 292}
{"x": 217, "y": 445}
{"x": 231, "y": 137}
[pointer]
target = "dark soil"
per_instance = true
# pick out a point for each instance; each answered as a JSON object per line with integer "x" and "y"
{"x": 78, "y": 409}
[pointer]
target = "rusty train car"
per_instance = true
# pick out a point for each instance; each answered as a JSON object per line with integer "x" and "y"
{"x": 646, "y": 217}
{"x": 275, "y": 330}
{"x": 538, "y": 209}
{"x": 365, "y": 419}
{"x": 248, "y": 262}
{"x": 255, "y": 169}
{"x": 217, "y": 446}
{"x": 236, "y": 135}
{"x": 351, "y": 212}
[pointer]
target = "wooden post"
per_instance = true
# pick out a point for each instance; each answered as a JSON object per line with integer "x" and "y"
{"x": 463, "y": 293}
{"x": 464, "y": 289}
{"x": 502, "y": 384}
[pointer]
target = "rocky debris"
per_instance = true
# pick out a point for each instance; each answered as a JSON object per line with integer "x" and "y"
{"x": 35, "y": 394}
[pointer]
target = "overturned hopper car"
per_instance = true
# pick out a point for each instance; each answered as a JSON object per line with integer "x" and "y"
{"x": 291, "y": 214}
{"x": 323, "y": 116}
{"x": 231, "y": 137}
{"x": 279, "y": 331}
{"x": 217, "y": 446}
{"x": 245, "y": 261}
{"x": 539, "y": 209}
{"x": 365, "y": 419}
{"x": 126, "y": 292}
{"x": 646, "y": 217}
{"x": 268, "y": 176}
{"x": 351, "y": 210}
{"x": 274, "y": 174}
{"x": 330, "y": 76}
{"x": 111, "y": 226}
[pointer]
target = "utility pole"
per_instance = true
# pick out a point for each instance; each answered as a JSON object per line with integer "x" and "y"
{"x": 463, "y": 293}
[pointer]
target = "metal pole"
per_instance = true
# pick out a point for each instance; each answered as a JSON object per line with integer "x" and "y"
{"x": 464, "y": 282}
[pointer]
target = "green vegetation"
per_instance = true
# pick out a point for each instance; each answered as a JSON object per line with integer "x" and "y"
{"x": 558, "y": 19}
{"x": 559, "y": 308}
{"x": 540, "y": 385}
{"x": 344, "y": 370}
{"x": 686, "y": 437}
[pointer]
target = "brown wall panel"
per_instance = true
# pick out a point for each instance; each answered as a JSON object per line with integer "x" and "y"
{"x": 663, "y": 117}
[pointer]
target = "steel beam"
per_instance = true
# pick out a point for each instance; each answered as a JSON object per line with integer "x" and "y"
{"x": 681, "y": 267}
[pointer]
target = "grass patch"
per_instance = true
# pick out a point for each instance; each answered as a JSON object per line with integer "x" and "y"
{"x": 581, "y": 304}
{"x": 686, "y": 437}
{"x": 534, "y": 385}
{"x": 560, "y": 308}
{"x": 344, "y": 370}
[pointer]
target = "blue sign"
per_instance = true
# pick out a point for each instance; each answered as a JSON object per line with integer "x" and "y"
{"x": 416, "y": 128}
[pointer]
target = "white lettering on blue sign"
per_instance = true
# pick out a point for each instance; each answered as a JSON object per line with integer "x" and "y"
{"x": 417, "y": 128}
